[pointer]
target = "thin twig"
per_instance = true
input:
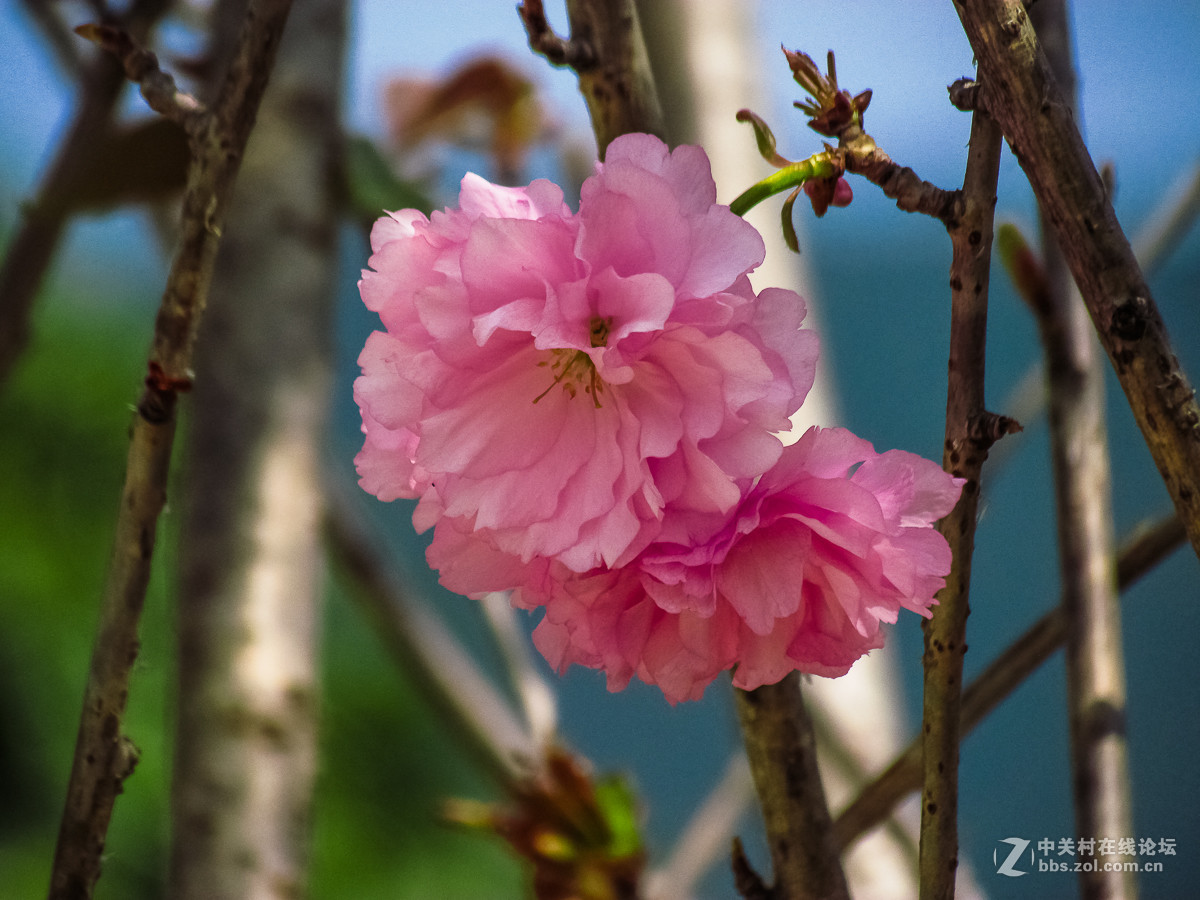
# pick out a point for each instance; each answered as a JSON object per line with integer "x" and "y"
{"x": 706, "y": 836}
{"x": 782, "y": 749}
{"x": 1140, "y": 553}
{"x": 1021, "y": 94}
{"x": 967, "y": 443}
{"x": 101, "y": 759}
{"x": 427, "y": 651}
{"x": 576, "y": 53}
{"x": 534, "y": 694}
{"x": 1083, "y": 502}
{"x": 608, "y": 54}
{"x": 141, "y": 67}
{"x": 900, "y": 183}
{"x": 1168, "y": 225}
{"x": 32, "y": 247}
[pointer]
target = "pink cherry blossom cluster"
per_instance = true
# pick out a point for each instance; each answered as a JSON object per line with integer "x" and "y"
{"x": 586, "y": 405}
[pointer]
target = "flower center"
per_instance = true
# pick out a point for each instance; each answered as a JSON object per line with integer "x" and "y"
{"x": 598, "y": 330}
{"x": 574, "y": 367}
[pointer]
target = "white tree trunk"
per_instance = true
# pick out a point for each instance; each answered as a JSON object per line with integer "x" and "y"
{"x": 251, "y": 573}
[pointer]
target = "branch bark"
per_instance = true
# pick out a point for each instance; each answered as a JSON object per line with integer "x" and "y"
{"x": 102, "y": 753}
{"x": 782, "y": 750}
{"x": 900, "y": 183}
{"x": 608, "y": 54}
{"x": 1082, "y": 488}
{"x": 967, "y": 443}
{"x": 1020, "y": 93}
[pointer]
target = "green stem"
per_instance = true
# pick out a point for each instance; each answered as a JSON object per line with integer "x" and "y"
{"x": 820, "y": 165}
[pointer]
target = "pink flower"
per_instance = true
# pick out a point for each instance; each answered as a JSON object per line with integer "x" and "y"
{"x": 832, "y": 541}
{"x": 550, "y": 382}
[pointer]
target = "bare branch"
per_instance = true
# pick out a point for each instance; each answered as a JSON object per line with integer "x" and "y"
{"x": 900, "y": 183}
{"x": 706, "y": 835}
{"x": 141, "y": 67}
{"x": 1082, "y": 490}
{"x": 1021, "y": 94}
{"x": 782, "y": 749}
{"x": 1169, "y": 224}
{"x": 538, "y": 706}
{"x": 100, "y": 762}
{"x": 250, "y": 571}
{"x": 32, "y": 247}
{"x": 606, "y": 50}
{"x": 969, "y": 432}
{"x": 429, "y": 653}
{"x": 576, "y": 53}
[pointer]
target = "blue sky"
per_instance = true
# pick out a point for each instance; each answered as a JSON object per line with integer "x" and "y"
{"x": 1138, "y": 78}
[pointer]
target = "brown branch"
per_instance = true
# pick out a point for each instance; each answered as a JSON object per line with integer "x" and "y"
{"x": 1021, "y": 94}
{"x": 707, "y": 834}
{"x": 993, "y": 685}
{"x": 576, "y": 53}
{"x": 782, "y": 749}
{"x": 32, "y": 247}
{"x": 1082, "y": 482}
{"x": 900, "y": 183}
{"x": 746, "y": 881}
{"x": 100, "y": 759}
{"x": 608, "y": 54}
{"x": 967, "y": 443}
{"x": 833, "y": 112}
{"x": 141, "y": 67}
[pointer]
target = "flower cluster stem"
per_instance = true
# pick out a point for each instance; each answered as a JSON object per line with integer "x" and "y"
{"x": 615, "y": 80}
{"x": 794, "y": 175}
{"x": 782, "y": 749}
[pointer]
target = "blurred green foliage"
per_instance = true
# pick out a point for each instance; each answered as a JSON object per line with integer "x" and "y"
{"x": 387, "y": 763}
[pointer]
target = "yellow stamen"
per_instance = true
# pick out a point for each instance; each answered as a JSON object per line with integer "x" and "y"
{"x": 573, "y": 366}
